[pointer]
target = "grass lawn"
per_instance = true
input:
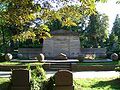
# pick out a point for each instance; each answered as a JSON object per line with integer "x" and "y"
{"x": 97, "y": 84}
{"x": 83, "y": 63}
{"x": 99, "y": 63}
{"x": 82, "y": 84}
{"x": 4, "y": 83}
{"x": 19, "y": 63}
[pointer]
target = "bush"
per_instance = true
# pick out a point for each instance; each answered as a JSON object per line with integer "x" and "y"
{"x": 49, "y": 84}
{"x": 39, "y": 81}
{"x": 38, "y": 78}
{"x": 118, "y": 67}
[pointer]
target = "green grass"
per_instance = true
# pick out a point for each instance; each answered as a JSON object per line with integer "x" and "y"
{"x": 82, "y": 84}
{"x": 4, "y": 83}
{"x": 83, "y": 63}
{"x": 99, "y": 63}
{"x": 97, "y": 84}
{"x": 19, "y": 63}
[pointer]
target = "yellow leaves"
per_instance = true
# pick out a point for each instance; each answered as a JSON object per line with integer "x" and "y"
{"x": 24, "y": 35}
{"x": 43, "y": 31}
{"x": 18, "y": 11}
{"x": 56, "y": 15}
{"x": 69, "y": 22}
{"x": 28, "y": 35}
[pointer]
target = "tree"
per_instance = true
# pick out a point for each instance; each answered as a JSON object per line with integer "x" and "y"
{"x": 114, "y": 38}
{"x": 97, "y": 31}
{"x": 116, "y": 27}
{"x": 17, "y": 13}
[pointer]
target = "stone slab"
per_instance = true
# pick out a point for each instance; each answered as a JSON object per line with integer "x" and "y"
{"x": 103, "y": 60}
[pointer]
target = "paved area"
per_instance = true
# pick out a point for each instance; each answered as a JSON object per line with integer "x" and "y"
{"x": 5, "y": 73}
{"x": 90, "y": 74}
{"x": 83, "y": 74}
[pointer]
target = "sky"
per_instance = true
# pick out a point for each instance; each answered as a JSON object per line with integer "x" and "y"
{"x": 111, "y": 9}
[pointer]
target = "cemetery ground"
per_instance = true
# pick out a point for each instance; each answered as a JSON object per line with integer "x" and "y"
{"x": 84, "y": 83}
{"x": 101, "y": 83}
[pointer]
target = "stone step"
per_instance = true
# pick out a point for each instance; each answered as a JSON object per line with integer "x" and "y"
{"x": 56, "y": 69}
{"x": 60, "y": 63}
{"x": 60, "y": 66}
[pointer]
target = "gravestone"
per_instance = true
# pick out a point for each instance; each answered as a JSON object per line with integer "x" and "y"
{"x": 64, "y": 80}
{"x": 62, "y": 41}
{"x": 20, "y": 80}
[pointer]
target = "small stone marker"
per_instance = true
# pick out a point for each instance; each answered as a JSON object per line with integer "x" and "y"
{"x": 40, "y": 57}
{"x": 20, "y": 80}
{"x": 114, "y": 56}
{"x": 8, "y": 56}
{"x": 64, "y": 80}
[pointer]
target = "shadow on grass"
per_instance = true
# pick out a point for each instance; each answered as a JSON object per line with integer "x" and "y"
{"x": 114, "y": 84}
{"x": 5, "y": 86}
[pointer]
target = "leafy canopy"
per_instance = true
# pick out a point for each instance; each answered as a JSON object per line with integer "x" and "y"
{"x": 20, "y": 12}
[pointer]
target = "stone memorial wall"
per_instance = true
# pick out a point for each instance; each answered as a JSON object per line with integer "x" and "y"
{"x": 63, "y": 41}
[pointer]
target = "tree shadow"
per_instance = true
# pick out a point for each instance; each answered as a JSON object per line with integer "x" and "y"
{"x": 114, "y": 84}
{"x": 5, "y": 86}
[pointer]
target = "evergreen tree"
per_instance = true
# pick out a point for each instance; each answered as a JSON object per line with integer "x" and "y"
{"x": 114, "y": 38}
{"x": 97, "y": 31}
{"x": 116, "y": 27}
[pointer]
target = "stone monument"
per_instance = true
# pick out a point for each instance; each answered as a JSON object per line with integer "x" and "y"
{"x": 62, "y": 41}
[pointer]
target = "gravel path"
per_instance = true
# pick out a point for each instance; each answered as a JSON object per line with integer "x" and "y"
{"x": 83, "y": 74}
{"x": 90, "y": 74}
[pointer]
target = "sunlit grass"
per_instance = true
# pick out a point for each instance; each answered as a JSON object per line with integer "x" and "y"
{"x": 97, "y": 84}
{"x": 82, "y": 84}
{"x": 99, "y": 63}
{"x": 19, "y": 63}
{"x": 4, "y": 83}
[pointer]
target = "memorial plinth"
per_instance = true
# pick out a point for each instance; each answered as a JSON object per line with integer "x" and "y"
{"x": 62, "y": 41}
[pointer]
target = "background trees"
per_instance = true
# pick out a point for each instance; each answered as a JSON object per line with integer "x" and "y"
{"x": 96, "y": 33}
{"x": 114, "y": 38}
{"x": 31, "y": 17}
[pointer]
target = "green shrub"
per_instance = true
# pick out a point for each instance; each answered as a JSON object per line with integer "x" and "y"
{"x": 38, "y": 78}
{"x": 49, "y": 84}
{"x": 118, "y": 68}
